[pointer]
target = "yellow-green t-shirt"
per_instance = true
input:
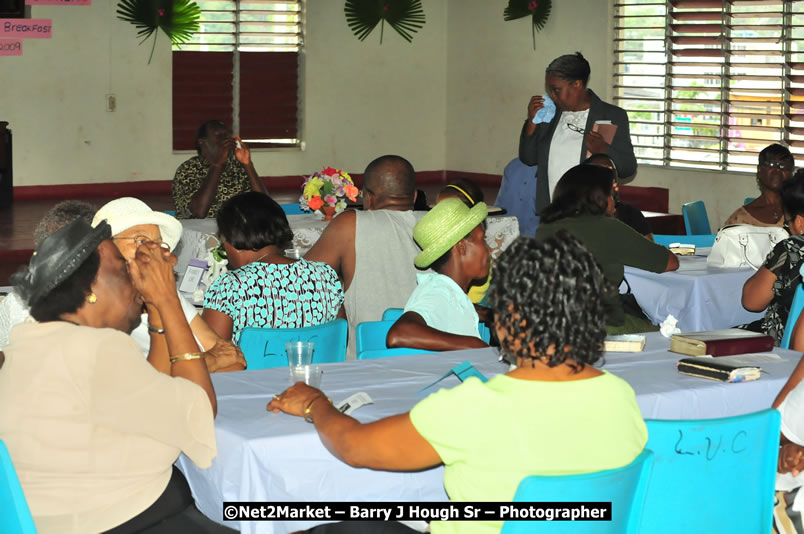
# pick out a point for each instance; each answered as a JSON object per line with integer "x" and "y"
{"x": 491, "y": 435}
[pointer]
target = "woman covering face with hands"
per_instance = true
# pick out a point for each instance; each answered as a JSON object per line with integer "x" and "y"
{"x": 581, "y": 126}
{"x": 96, "y": 429}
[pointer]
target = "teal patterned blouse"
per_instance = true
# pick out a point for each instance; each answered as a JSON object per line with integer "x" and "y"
{"x": 269, "y": 295}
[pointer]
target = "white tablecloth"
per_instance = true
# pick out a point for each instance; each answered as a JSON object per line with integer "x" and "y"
{"x": 699, "y": 296}
{"x": 195, "y": 240}
{"x": 275, "y": 457}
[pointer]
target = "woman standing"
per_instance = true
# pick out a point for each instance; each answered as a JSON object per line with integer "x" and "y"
{"x": 567, "y": 139}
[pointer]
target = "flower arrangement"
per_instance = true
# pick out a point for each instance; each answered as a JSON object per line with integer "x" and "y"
{"x": 327, "y": 189}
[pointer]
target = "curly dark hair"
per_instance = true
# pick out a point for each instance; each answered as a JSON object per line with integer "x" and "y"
{"x": 570, "y": 67}
{"x": 550, "y": 293}
{"x": 70, "y": 295}
{"x": 251, "y": 221}
{"x": 775, "y": 150}
{"x": 583, "y": 190}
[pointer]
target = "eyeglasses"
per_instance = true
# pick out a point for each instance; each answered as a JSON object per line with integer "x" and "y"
{"x": 575, "y": 128}
{"x": 782, "y": 166}
{"x": 139, "y": 240}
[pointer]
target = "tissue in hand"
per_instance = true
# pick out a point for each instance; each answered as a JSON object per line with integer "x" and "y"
{"x": 547, "y": 113}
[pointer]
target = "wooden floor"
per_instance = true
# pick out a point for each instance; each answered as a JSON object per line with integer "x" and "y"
{"x": 18, "y": 222}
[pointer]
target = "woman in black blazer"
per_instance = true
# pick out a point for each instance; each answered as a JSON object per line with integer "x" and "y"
{"x": 573, "y": 128}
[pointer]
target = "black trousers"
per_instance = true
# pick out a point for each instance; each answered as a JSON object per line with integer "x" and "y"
{"x": 174, "y": 512}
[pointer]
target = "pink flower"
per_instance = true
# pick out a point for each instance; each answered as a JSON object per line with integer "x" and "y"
{"x": 315, "y": 203}
{"x": 386, "y": 7}
{"x": 330, "y": 200}
{"x": 329, "y": 171}
{"x": 161, "y": 12}
{"x": 533, "y": 6}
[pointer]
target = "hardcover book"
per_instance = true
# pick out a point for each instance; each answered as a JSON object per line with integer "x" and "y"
{"x": 720, "y": 342}
{"x": 713, "y": 369}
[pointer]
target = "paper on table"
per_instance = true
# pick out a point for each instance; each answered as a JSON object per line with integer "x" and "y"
{"x": 349, "y": 405}
{"x": 606, "y": 129}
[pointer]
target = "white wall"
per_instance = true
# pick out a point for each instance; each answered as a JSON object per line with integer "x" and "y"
{"x": 361, "y": 99}
{"x": 453, "y": 99}
{"x": 493, "y": 71}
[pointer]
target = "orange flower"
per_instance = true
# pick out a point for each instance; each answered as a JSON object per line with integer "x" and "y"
{"x": 351, "y": 192}
{"x": 315, "y": 203}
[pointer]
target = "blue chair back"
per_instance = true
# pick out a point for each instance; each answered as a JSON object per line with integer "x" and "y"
{"x": 385, "y": 353}
{"x": 265, "y": 347}
{"x": 15, "y": 517}
{"x": 370, "y": 335}
{"x": 624, "y": 487}
{"x": 292, "y": 209}
{"x": 795, "y": 311}
{"x": 703, "y": 240}
{"x": 712, "y": 475}
{"x": 392, "y": 314}
{"x": 749, "y": 200}
{"x": 695, "y": 219}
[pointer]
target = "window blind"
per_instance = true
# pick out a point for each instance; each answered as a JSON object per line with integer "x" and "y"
{"x": 710, "y": 83}
{"x": 262, "y": 39}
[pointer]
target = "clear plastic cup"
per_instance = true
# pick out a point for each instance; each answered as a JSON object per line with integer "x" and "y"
{"x": 309, "y": 374}
{"x": 294, "y": 253}
{"x": 299, "y": 352}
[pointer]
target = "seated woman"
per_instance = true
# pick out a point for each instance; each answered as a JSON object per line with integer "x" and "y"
{"x": 580, "y": 201}
{"x": 470, "y": 194}
{"x": 13, "y": 309}
{"x": 626, "y": 213}
{"x": 133, "y": 223}
{"x": 439, "y": 314}
{"x": 772, "y": 287}
{"x": 776, "y": 165}
{"x": 95, "y": 430}
{"x": 554, "y": 414}
{"x": 265, "y": 288}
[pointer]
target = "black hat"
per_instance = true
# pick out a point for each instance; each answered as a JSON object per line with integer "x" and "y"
{"x": 59, "y": 255}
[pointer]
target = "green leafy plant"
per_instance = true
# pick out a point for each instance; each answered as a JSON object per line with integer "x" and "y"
{"x": 404, "y": 16}
{"x": 177, "y": 18}
{"x": 538, "y": 10}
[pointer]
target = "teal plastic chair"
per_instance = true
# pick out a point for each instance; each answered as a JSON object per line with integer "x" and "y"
{"x": 292, "y": 209}
{"x": 15, "y": 516}
{"x": 264, "y": 348}
{"x": 385, "y": 353}
{"x": 704, "y": 240}
{"x": 392, "y": 314}
{"x": 623, "y": 487}
{"x": 712, "y": 475}
{"x": 795, "y": 311}
{"x": 749, "y": 200}
{"x": 695, "y": 219}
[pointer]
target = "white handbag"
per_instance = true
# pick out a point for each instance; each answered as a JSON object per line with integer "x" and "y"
{"x": 743, "y": 245}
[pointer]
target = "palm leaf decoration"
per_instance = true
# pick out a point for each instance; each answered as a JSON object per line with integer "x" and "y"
{"x": 539, "y": 10}
{"x": 404, "y": 16}
{"x": 177, "y": 18}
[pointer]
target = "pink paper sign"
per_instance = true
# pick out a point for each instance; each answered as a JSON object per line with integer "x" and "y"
{"x": 58, "y": 2}
{"x": 10, "y": 47}
{"x": 27, "y": 28}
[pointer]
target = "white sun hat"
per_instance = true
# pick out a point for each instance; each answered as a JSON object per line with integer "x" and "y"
{"x": 124, "y": 213}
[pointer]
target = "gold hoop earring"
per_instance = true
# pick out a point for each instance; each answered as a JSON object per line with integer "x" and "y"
{"x": 92, "y": 298}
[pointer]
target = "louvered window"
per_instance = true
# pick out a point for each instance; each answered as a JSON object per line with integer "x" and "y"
{"x": 710, "y": 83}
{"x": 242, "y": 67}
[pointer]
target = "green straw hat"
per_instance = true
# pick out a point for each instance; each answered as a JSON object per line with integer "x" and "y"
{"x": 447, "y": 223}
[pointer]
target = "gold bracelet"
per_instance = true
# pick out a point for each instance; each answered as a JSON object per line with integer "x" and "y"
{"x": 308, "y": 416}
{"x": 187, "y": 356}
